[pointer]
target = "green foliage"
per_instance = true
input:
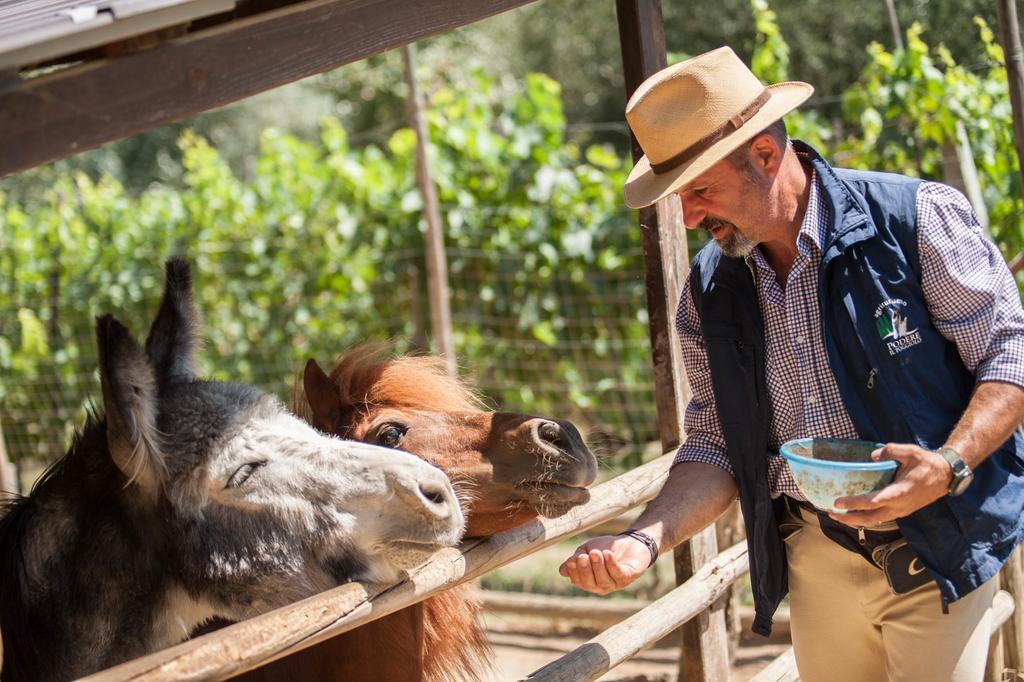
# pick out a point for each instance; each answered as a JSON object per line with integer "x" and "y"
{"x": 321, "y": 248}
{"x": 315, "y": 243}
{"x": 908, "y": 104}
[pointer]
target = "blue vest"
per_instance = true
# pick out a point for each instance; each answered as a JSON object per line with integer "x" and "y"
{"x": 900, "y": 379}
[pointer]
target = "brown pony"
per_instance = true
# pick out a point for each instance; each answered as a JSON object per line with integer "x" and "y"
{"x": 506, "y": 468}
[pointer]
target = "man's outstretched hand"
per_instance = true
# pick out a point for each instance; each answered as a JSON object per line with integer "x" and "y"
{"x": 606, "y": 563}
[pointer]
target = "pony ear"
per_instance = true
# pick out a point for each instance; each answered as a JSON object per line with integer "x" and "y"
{"x": 322, "y": 396}
{"x": 171, "y": 345}
{"x": 130, "y": 403}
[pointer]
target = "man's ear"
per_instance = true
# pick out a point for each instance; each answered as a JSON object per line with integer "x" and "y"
{"x": 765, "y": 154}
{"x": 322, "y": 396}
{"x": 130, "y": 403}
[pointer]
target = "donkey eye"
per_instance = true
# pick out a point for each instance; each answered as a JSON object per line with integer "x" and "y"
{"x": 390, "y": 435}
{"x": 242, "y": 474}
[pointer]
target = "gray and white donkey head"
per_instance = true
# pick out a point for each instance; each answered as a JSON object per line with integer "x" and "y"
{"x": 265, "y": 508}
{"x": 213, "y": 502}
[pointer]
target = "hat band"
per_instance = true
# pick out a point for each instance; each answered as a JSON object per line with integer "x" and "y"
{"x": 704, "y": 143}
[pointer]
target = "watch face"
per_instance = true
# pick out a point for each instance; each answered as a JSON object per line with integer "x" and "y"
{"x": 961, "y": 479}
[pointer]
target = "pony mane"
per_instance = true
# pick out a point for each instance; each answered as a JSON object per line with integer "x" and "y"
{"x": 371, "y": 374}
{"x": 455, "y": 646}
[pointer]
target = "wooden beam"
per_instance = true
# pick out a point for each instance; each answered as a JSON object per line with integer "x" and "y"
{"x": 705, "y": 651}
{"x": 85, "y": 106}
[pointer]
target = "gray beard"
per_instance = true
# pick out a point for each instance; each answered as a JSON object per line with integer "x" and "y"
{"x": 735, "y": 244}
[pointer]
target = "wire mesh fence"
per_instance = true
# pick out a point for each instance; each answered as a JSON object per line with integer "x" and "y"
{"x": 560, "y": 344}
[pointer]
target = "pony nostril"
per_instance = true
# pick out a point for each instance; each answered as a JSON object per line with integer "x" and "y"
{"x": 550, "y": 432}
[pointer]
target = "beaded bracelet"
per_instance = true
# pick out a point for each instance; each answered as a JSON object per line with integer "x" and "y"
{"x": 643, "y": 537}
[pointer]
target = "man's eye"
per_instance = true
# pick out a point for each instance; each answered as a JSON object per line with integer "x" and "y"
{"x": 242, "y": 474}
{"x": 391, "y": 435}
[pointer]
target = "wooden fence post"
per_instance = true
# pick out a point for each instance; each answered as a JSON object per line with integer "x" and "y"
{"x": 1009, "y": 36}
{"x": 1011, "y": 579}
{"x": 8, "y": 472}
{"x": 437, "y": 262}
{"x": 705, "y": 653}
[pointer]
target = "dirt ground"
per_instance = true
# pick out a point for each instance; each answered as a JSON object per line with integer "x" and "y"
{"x": 522, "y": 646}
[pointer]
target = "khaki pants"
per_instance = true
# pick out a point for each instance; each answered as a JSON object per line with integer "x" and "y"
{"x": 848, "y": 626}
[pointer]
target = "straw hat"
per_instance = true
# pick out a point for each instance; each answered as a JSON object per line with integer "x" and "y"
{"x": 692, "y": 114}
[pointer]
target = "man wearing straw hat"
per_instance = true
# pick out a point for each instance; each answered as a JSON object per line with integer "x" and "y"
{"x": 781, "y": 322}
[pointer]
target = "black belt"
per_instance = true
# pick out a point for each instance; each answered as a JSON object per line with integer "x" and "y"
{"x": 863, "y": 541}
{"x": 884, "y": 549}
{"x": 793, "y": 506}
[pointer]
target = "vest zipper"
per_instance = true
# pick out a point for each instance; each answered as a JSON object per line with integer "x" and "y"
{"x": 861, "y": 538}
{"x": 871, "y": 379}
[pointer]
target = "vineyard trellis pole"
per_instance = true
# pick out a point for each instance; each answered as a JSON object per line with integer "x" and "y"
{"x": 433, "y": 240}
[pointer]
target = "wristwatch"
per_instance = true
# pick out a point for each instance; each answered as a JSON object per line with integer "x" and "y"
{"x": 962, "y": 474}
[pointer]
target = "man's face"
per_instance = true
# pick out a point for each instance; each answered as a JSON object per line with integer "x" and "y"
{"x": 728, "y": 201}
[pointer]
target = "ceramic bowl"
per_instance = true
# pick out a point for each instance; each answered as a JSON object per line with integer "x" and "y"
{"x": 828, "y": 468}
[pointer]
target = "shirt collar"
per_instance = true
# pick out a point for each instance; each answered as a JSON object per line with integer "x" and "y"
{"x": 812, "y": 229}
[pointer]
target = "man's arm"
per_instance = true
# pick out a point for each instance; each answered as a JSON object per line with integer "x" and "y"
{"x": 700, "y": 484}
{"x": 694, "y": 495}
{"x": 973, "y": 301}
{"x": 995, "y": 410}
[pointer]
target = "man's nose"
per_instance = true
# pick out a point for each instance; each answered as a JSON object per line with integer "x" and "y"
{"x": 693, "y": 212}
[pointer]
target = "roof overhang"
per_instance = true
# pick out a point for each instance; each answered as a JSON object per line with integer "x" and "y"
{"x": 218, "y": 60}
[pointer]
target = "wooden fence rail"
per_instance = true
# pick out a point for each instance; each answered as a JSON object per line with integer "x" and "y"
{"x": 600, "y": 612}
{"x": 620, "y": 642}
{"x": 258, "y": 641}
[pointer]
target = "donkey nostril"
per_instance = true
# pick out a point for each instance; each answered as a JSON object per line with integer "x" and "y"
{"x": 550, "y": 433}
{"x": 432, "y": 494}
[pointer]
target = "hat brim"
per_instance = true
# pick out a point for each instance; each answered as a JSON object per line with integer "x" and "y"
{"x": 645, "y": 187}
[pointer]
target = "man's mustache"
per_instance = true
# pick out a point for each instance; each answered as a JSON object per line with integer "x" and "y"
{"x": 710, "y": 222}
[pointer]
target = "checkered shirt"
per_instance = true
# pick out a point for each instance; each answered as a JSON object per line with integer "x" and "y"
{"x": 971, "y": 297}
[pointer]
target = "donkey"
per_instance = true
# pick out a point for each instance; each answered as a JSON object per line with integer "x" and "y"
{"x": 190, "y": 500}
{"x": 507, "y": 468}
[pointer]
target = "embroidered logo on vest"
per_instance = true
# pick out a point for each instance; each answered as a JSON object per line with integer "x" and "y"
{"x": 891, "y": 323}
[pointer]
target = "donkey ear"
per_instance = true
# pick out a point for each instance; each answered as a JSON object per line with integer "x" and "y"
{"x": 322, "y": 396}
{"x": 171, "y": 346}
{"x": 130, "y": 403}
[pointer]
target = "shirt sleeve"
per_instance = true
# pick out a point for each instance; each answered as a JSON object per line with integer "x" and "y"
{"x": 971, "y": 295}
{"x": 704, "y": 441}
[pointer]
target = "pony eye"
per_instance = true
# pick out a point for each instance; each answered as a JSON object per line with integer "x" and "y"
{"x": 242, "y": 474}
{"x": 390, "y": 435}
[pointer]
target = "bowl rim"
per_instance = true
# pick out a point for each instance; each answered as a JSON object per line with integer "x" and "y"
{"x": 884, "y": 465}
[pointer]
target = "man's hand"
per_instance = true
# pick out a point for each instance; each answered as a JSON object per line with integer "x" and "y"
{"x": 693, "y": 496}
{"x": 923, "y": 477}
{"x": 606, "y": 563}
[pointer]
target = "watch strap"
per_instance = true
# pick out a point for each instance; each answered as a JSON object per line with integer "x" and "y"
{"x": 960, "y": 469}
